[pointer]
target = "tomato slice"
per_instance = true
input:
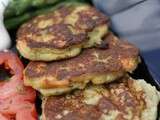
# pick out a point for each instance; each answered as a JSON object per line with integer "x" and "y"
{"x": 16, "y": 103}
{"x": 16, "y": 100}
{"x": 3, "y": 117}
{"x": 25, "y": 94}
{"x": 9, "y": 89}
{"x": 11, "y": 62}
{"x": 27, "y": 113}
{"x": 14, "y": 108}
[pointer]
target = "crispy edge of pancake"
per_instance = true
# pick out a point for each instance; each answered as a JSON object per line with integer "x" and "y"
{"x": 95, "y": 78}
{"x": 77, "y": 83}
{"x": 151, "y": 97}
{"x": 48, "y": 54}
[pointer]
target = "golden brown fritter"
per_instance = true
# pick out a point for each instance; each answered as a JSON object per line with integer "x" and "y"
{"x": 98, "y": 65}
{"x": 61, "y": 33}
{"x": 126, "y": 99}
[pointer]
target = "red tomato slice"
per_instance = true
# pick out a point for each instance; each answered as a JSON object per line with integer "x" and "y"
{"x": 6, "y": 117}
{"x": 9, "y": 89}
{"x": 3, "y": 117}
{"x": 16, "y": 100}
{"x": 25, "y": 94}
{"x": 27, "y": 114}
{"x": 12, "y": 62}
{"x": 11, "y": 107}
{"x": 16, "y": 88}
{"x": 19, "y": 109}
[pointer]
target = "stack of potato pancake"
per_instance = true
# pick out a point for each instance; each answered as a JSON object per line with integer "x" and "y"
{"x": 81, "y": 68}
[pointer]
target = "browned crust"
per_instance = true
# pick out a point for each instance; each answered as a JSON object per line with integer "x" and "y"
{"x": 54, "y": 32}
{"x": 119, "y": 56}
{"x": 89, "y": 19}
{"x": 117, "y": 96}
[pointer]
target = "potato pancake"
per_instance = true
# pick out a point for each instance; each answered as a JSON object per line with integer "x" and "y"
{"x": 126, "y": 99}
{"x": 97, "y": 65}
{"x": 62, "y": 33}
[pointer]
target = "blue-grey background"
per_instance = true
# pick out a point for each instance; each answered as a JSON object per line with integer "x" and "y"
{"x": 139, "y": 22}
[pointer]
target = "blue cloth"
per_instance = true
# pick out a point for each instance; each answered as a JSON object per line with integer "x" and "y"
{"x": 139, "y": 22}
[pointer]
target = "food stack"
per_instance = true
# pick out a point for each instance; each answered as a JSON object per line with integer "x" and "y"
{"x": 80, "y": 67}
